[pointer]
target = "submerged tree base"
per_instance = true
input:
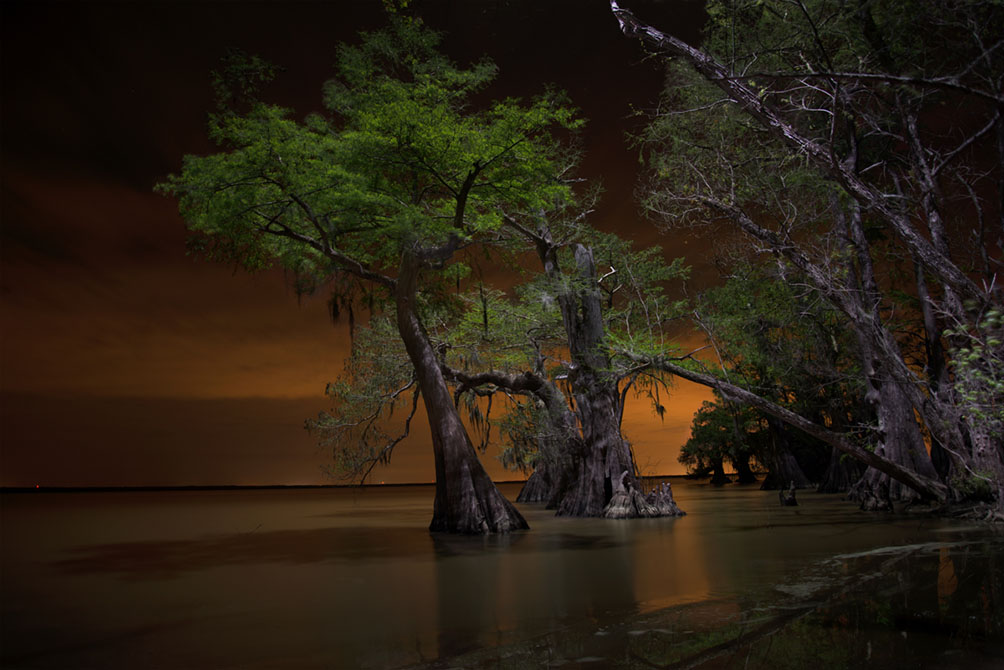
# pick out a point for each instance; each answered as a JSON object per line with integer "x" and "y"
{"x": 628, "y": 502}
{"x": 542, "y": 486}
{"x": 470, "y": 504}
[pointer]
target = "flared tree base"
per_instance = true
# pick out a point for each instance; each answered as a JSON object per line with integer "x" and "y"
{"x": 628, "y": 502}
{"x": 472, "y": 505}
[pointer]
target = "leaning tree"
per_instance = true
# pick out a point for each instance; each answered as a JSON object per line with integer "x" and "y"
{"x": 827, "y": 127}
{"x": 381, "y": 194}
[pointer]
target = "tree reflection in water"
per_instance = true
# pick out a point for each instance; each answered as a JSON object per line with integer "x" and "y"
{"x": 352, "y": 578}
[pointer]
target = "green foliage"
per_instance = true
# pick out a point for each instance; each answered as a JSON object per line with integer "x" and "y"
{"x": 239, "y": 80}
{"x": 633, "y": 282}
{"x": 781, "y": 336}
{"x": 403, "y": 165}
{"x": 723, "y": 431}
{"x": 849, "y": 76}
{"x": 779, "y": 339}
{"x": 403, "y": 162}
{"x": 978, "y": 366}
{"x": 975, "y": 486}
{"x": 528, "y": 436}
{"x": 823, "y": 110}
{"x": 378, "y": 381}
{"x": 705, "y": 151}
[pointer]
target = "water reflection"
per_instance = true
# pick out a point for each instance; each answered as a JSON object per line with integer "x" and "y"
{"x": 168, "y": 560}
{"x": 352, "y": 578}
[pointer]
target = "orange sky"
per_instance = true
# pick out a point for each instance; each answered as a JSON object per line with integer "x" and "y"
{"x": 107, "y": 363}
{"x": 125, "y": 362}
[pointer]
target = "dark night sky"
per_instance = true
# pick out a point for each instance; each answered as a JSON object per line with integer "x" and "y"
{"x": 125, "y": 362}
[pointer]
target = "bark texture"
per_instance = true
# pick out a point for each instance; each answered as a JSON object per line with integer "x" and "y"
{"x": 603, "y": 465}
{"x": 898, "y": 437}
{"x": 597, "y": 454}
{"x": 628, "y": 502}
{"x": 467, "y": 501}
{"x": 543, "y": 485}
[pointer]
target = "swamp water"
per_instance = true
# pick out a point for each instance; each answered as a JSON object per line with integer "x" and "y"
{"x": 351, "y": 578}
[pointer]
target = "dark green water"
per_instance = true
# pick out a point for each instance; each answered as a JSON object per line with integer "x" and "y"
{"x": 352, "y": 579}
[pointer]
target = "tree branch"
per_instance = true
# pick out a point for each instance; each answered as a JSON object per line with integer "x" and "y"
{"x": 924, "y": 485}
{"x": 772, "y": 120}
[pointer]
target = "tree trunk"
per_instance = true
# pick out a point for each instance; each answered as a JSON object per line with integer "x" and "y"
{"x": 546, "y": 484}
{"x": 744, "y": 474}
{"x": 784, "y": 469}
{"x": 627, "y": 502}
{"x": 899, "y": 440}
{"x": 600, "y": 455}
{"x": 936, "y": 367}
{"x": 604, "y": 463}
{"x": 718, "y": 476}
{"x": 562, "y": 440}
{"x": 467, "y": 500}
{"x": 898, "y": 436}
{"x": 603, "y": 455}
{"x": 841, "y": 473}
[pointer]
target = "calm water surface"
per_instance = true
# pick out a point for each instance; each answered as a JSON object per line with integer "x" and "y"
{"x": 351, "y": 578}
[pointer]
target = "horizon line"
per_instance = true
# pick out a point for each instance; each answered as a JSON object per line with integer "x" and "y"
{"x": 39, "y": 488}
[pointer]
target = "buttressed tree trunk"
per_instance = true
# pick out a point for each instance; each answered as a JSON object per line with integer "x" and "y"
{"x": 549, "y": 480}
{"x": 841, "y": 473}
{"x": 898, "y": 439}
{"x": 599, "y": 460}
{"x": 467, "y": 501}
{"x": 898, "y": 435}
{"x": 604, "y": 463}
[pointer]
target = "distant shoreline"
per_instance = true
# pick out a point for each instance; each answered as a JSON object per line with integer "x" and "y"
{"x": 237, "y": 487}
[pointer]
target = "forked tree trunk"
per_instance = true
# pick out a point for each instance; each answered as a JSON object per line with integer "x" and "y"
{"x": 898, "y": 436}
{"x": 604, "y": 463}
{"x": 599, "y": 456}
{"x": 603, "y": 457}
{"x": 467, "y": 501}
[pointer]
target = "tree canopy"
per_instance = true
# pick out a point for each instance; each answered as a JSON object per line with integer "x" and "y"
{"x": 380, "y": 197}
{"x": 847, "y": 141}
